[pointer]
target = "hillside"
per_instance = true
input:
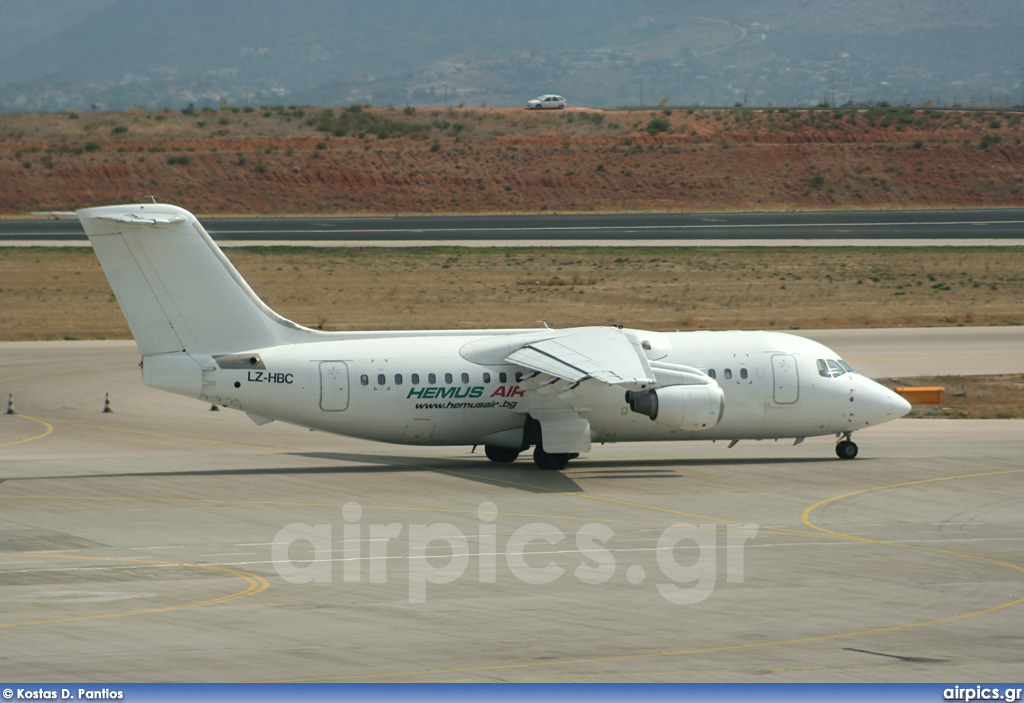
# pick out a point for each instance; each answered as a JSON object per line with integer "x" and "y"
{"x": 72, "y": 54}
{"x": 414, "y": 160}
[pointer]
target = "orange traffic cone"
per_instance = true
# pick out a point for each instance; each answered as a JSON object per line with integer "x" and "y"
{"x": 10, "y": 404}
{"x": 106, "y": 404}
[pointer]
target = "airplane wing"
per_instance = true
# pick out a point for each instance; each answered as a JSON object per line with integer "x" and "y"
{"x": 607, "y": 355}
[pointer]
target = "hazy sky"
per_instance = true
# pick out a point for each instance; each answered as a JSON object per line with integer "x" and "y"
{"x": 122, "y": 52}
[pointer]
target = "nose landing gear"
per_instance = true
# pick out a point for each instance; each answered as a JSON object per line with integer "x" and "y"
{"x": 845, "y": 448}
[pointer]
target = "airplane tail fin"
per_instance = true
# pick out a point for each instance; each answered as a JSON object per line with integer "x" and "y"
{"x": 176, "y": 288}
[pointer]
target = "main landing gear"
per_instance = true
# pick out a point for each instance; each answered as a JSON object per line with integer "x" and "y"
{"x": 845, "y": 448}
{"x": 551, "y": 462}
{"x": 532, "y": 437}
{"x": 501, "y": 455}
{"x": 543, "y": 460}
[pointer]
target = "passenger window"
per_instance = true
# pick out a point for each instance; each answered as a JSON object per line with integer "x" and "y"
{"x": 503, "y": 377}
{"x": 431, "y": 378}
{"x": 487, "y": 377}
{"x": 447, "y": 378}
{"x": 398, "y": 379}
{"x": 743, "y": 374}
{"x": 712, "y": 374}
{"x": 465, "y": 378}
{"x": 381, "y": 379}
{"x": 728, "y": 373}
{"x": 415, "y": 379}
{"x": 364, "y": 380}
{"x": 519, "y": 376}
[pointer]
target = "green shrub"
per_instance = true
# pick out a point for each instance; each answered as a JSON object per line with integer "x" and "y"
{"x": 657, "y": 126}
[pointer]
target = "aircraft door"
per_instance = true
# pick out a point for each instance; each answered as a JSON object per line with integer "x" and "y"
{"x": 333, "y": 385}
{"x": 786, "y": 380}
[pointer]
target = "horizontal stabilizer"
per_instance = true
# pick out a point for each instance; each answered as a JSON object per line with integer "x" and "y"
{"x": 149, "y": 219}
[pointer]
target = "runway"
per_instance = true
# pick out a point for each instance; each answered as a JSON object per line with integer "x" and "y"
{"x": 1003, "y": 227}
{"x": 166, "y": 542}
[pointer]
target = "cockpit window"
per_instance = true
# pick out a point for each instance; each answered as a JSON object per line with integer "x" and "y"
{"x": 832, "y": 368}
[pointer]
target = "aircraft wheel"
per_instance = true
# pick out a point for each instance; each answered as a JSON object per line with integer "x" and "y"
{"x": 551, "y": 462}
{"x": 846, "y": 449}
{"x": 501, "y": 455}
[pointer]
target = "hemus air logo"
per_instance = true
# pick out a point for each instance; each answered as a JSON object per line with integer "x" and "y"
{"x": 428, "y": 392}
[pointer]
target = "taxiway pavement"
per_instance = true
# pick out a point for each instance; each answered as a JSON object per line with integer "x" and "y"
{"x": 166, "y": 542}
{"x": 990, "y": 227}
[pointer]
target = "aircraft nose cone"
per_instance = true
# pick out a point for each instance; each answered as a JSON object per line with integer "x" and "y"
{"x": 881, "y": 404}
{"x": 873, "y": 403}
{"x": 900, "y": 405}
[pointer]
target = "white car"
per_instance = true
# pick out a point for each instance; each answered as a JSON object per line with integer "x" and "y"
{"x": 546, "y": 102}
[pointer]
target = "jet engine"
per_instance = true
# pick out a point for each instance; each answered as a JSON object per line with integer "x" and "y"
{"x": 686, "y": 407}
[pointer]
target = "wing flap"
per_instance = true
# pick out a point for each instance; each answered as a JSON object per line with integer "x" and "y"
{"x": 606, "y": 354}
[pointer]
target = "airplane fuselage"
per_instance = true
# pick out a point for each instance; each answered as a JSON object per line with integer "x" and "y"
{"x": 376, "y": 389}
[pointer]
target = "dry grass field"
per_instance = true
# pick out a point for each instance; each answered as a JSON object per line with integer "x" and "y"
{"x": 62, "y": 294}
{"x": 997, "y": 396}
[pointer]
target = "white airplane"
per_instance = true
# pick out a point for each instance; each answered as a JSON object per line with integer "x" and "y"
{"x": 204, "y": 333}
